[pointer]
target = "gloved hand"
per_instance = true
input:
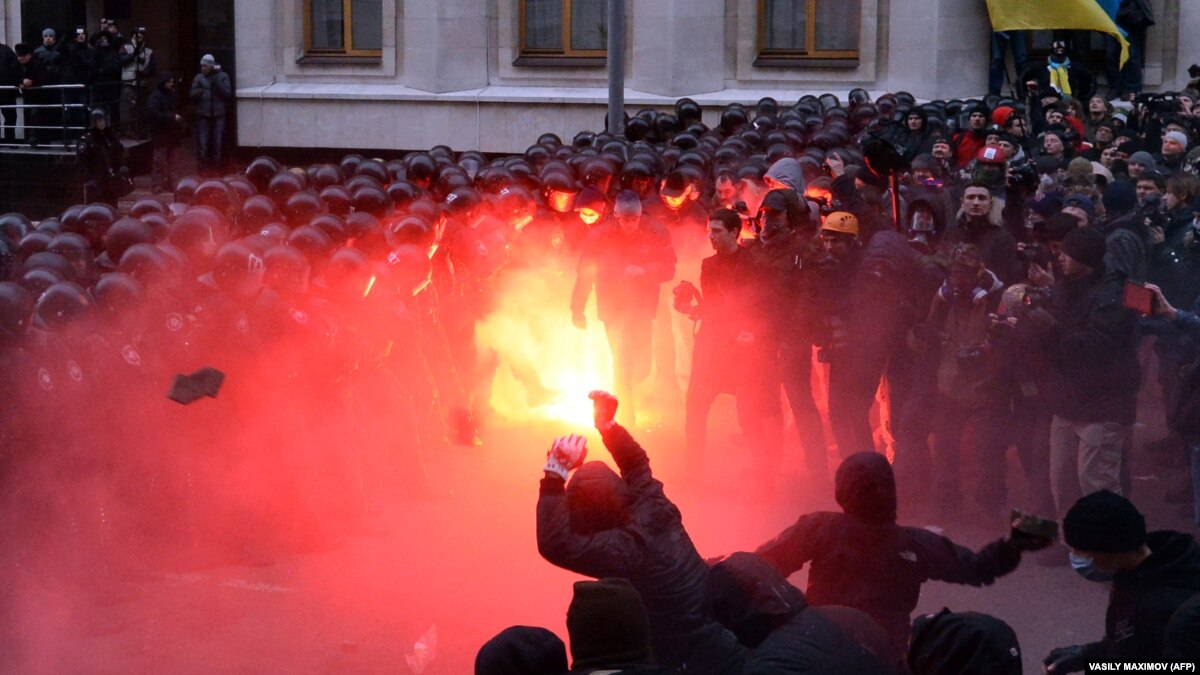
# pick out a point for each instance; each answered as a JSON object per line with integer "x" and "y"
{"x": 604, "y": 409}
{"x": 579, "y": 320}
{"x": 1023, "y": 541}
{"x": 565, "y": 455}
{"x": 1065, "y": 660}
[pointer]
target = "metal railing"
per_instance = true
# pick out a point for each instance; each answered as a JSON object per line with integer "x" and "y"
{"x": 56, "y": 116}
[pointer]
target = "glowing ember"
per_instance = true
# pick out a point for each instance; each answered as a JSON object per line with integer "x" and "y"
{"x": 370, "y": 285}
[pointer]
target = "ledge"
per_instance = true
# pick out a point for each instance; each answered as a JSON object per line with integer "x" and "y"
{"x": 813, "y": 64}
{"x": 319, "y": 60}
{"x": 561, "y": 61}
{"x": 293, "y": 91}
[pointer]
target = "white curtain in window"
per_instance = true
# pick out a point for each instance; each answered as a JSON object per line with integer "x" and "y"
{"x": 543, "y": 24}
{"x": 785, "y": 23}
{"x": 366, "y": 31}
{"x": 837, "y": 24}
{"x": 589, "y": 24}
{"x": 326, "y": 24}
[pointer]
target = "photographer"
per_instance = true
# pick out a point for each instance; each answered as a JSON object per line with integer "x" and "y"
{"x": 969, "y": 392}
{"x": 138, "y": 68}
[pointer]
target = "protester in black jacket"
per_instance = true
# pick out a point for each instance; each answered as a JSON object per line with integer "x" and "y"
{"x": 166, "y": 128}
{"x": 953, "y": 643}
{"x": 1091, "y": 343}
{"x": 103, "y": 159}
{"x": 1152, "y": 575}
{"x": 779, "y": 633}
{"x": 862, "y": 559}
{"x": 601, "y": 525}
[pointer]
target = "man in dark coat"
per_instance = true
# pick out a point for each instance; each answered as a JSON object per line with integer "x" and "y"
{"x": 212, "y": 91}
{"x": 862, "y": 559}
{"x": 601, "y": 525}
{"x": 1091, "y": 344}
{"x": 522, "y": 650}
{"x": 950, "y": 643}
{"x": 166, "y": 128}
{"x": 979, "y": 223}
{"x": 779, "y": 633}
{"x": 626, "y": 260}
{"x": 103, "y": 159}
{"x": 1153, "y": 575}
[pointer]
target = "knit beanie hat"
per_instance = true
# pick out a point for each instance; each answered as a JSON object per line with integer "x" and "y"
{"x": 1144, "y": 158}
{"x": 522, "y": 650}
{"x": 1119, "y": 197}
{"x": 607, "y": 624}
{"x": 949, "y": 643}
{"x": 1177, "y": 136}
{"x": 1085, "y": 245}
{"x": 628, "y": 204}
{"x": 1104, "y": 522}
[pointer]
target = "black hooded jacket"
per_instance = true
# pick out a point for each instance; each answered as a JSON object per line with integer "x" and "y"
{"x": 780, "y": 634}
{"x": 161, "y": 109}
{"x": 1143, "y": 601}
{"x": 650, "y": 548}
{"x": 862, "y": 559}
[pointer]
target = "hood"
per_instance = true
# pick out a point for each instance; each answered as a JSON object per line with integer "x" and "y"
{"x": 163, "y": 79}
{"x": 788, "y": 172}
{"x": 1124, "y": 255}
{"x": 597, "y": 499}
{"x": 522, "y": 650}
{"x": 1174, "y": 560}
{"x": 949, "y": 643}
{"x": 750, "y": 597}
{"x": 889, "y": 256}
{"x": 1182, "y": 639}
{"x": 865, "y": 488}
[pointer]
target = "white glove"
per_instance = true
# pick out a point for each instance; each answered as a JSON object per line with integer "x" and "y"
{"x": 566, "y": 454}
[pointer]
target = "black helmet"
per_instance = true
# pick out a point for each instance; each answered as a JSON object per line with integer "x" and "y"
{"x": 331, "y": 225}
{"x": 349, "y": 164}
{"x": 143, "y": 206}
{"x": 463, "y": 204}
{"x": 301, "y": 207}
{"x": 36, "y": 281}
{"x": 733, "y": 118}
{"x": 766, "y": 106}
{"x": 349, "y": 273}
{"x": 583, "y": 139}
{"x": 313, "y": 243}
{"x": 402, "y": 193}
{"x": 199, "y": 233}
{"x": 421, "y": 170}
{"x": 408, "y": 268}
{"x": 283, "y": 185}
{"x": 16, "y": 310}
{"x": 260, "y": 171}
{"x": 15, "y": 226}
{"x": 94, "y": 221}
{"x": 116, "y": 294}
{"x": 186, "y": 187}
{"x": 125, "y": 233}
{"x": 238, "y": 270}
{"x": 337, "y": 199}
{"x": 256, "y": 212}
{"x": 62, "y": 304}
{"x": 286, "y": 270}
{"x": 410, "y": 230}
{"x": 371, "y": 200}
{"x": 324, "y": 175}
{"x": 372, "y": 169}
{"x": 687, "y": 111}
{"x": 34, "y": 242}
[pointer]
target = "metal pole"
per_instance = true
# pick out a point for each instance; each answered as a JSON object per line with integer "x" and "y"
{"x": 616, "y": 67}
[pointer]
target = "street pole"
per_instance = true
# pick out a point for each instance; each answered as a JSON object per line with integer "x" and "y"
{"x": 616, "y": 67}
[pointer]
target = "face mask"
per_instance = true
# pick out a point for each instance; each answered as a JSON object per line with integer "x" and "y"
{"x": 1086, "y": 568}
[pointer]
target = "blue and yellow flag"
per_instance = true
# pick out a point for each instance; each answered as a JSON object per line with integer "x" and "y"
{"x": 1056, "y": 14}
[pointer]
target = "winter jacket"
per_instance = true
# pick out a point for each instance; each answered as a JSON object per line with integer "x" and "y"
{"x": 1142, "y": 601}
{"x": 52, "y": 60}
{"x": 1168, "y": 263}
{"x": 780, "y": 634}
{"x": 101, "y": 154}
{"x": 652, "y": 550}
{"x": 1092, "y": 347}
{"x": 161, "y": 109}
{"x": 607, "y": 253}
{"x": 862, "y": 559}
{"x": 997, "y": 245}
{"x": 78, "y": 63}
{"x": 212, "y": 92}
{"x": 965, "y": 371}
{"x": 137, "y": 66}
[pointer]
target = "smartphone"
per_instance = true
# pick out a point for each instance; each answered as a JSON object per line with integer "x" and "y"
{"x": 1139, "y": 298}
{"x": 1031, "y": 524}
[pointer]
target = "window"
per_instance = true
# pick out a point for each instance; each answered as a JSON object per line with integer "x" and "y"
{"x": 344, "y": 27}
{"x": 564, "y": 28}
{"x": 791, "y": 30}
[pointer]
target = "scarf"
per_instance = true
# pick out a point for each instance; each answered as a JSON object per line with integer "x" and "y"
{"x": 1060, "y": 79}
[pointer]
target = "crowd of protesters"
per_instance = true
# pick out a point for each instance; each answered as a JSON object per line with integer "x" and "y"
{"x": 941, "y": 281}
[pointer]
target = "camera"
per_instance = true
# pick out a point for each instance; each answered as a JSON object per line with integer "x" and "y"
{"x": 1035, "y": 254}
{"x": 1022, "y": 175}
{"x": 1161, "y": 104}
{"x": 1152, "y": 213}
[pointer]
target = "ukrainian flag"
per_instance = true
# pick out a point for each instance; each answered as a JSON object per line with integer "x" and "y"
{"x": 1061, "y": 14}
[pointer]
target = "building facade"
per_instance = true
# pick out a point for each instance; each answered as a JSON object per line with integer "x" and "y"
{"x": 494, "y": 74}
